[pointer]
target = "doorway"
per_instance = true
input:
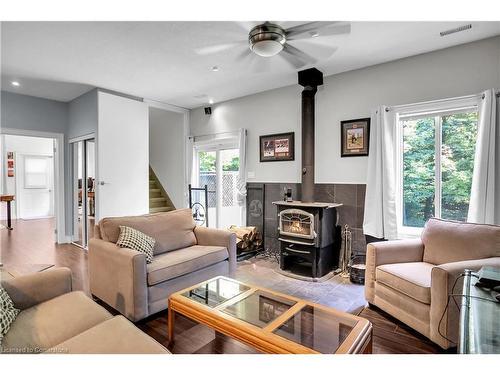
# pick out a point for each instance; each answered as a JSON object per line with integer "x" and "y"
{"x": 84, "y": 192}
{"x": 217, "y": 166}
{"x": 28, "y": 174}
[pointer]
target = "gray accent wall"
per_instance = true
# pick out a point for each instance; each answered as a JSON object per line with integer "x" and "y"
{"x": 82, "y": 115}
{"x": 31, "y": 113}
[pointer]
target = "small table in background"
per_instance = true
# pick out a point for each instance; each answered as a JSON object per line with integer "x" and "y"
{"x": 8, "y": 199}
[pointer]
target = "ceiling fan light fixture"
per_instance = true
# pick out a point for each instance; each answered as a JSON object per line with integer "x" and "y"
{"x": 267, "y": 48}
{"x": 267, "y": 40}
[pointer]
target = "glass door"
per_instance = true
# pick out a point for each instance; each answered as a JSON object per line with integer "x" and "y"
{"x": 230, "y": 211}
{"x": 217, "y": 166}
{"x": 83, "y": 175}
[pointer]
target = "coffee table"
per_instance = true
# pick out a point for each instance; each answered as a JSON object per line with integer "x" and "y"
{"x": 269, "y": 321}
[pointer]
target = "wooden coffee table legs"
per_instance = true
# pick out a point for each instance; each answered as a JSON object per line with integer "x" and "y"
{"x": 171, "y": 318}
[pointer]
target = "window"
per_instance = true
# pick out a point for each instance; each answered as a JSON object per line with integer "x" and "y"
{"x": 36, "y": 172}
{"x": 436, "y": 164}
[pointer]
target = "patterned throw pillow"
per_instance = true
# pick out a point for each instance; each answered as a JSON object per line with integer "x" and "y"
{"x": 136, "y": 240}
{"x": 8, "y": 313}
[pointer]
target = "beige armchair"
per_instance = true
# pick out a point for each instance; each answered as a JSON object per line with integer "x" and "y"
{"x": 412, "y": 279}
{"x": 184, "y": 255}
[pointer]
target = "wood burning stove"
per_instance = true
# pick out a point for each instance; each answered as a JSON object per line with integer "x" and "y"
{"x": 309, "y": 238}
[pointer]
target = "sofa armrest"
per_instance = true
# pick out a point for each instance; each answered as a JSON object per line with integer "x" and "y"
{"x": 118, "y": 277}
{"x": 218, "y": 237}
{"x": 443, "y": 278}
{"x": 388, "y": 252}
{"x": 30, "y": 290}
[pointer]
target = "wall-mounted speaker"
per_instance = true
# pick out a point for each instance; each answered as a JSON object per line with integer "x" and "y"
{"x": 208, "y": 110}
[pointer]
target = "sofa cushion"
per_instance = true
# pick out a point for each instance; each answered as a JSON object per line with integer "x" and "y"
{"x": 180, "y": 262}
{"x": 114, "y": 336}
{"x": 412, "y": 279}
{"x": 136, "y": 240}
{"x": 451, "y": 241}
{"x": 49, "y": 323}
{"x": 172, "y": 230}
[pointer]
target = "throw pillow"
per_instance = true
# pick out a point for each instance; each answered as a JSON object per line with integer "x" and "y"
{"x": 8, "y": 313}
{"x": 133, "y": 239}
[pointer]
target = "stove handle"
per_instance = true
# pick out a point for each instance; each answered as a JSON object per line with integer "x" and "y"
{"x": 297, "y": 251}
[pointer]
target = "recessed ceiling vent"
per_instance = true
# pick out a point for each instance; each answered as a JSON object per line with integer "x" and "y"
{"x": 456, "y": 30}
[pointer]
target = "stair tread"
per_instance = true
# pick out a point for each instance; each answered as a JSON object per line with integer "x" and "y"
{"x": 157, "y": 199}
{"x": 160, "y": 209}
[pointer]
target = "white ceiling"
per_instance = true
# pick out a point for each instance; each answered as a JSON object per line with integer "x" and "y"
{"x": 158, "y": 60}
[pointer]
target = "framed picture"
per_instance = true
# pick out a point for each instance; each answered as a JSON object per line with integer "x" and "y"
{"x": 10, "y": 163}
{"x": 277, "y": 147}
{"x": 10, "y": 173}
{"x": 355, "y": 137}
{"x": 10, "y": 155}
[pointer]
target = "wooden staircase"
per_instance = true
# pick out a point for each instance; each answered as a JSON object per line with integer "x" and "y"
{"x": 159, "y": 201}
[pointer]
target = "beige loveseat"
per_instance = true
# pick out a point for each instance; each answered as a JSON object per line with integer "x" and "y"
{"x": 184, "y": 254}
{"x": 55, "y": 319}
{"x": 411, "y": 279}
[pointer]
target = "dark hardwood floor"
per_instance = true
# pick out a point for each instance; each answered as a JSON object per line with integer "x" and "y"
{"x": 32, "y": 242}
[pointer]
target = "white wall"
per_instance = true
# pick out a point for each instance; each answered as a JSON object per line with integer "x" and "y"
{"x": 166, "y": 152}
{"x": 122, "y": 157}
{"x": 456, "y": 71}
{"x": 20, "y": 145}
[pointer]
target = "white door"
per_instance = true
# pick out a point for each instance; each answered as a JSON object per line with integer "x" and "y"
{"x": 122, "y": 157}
{"x": 35, "y": 186}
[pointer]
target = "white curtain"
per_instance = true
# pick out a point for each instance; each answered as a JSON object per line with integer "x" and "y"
{"x": 242, "y": 174}
{"x": 189, "y": 166}
{"x": 380, "y": 218}
{"x": 484, "y": 206}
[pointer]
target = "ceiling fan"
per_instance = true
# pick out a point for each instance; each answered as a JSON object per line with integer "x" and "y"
{"x": 294, "y": 44}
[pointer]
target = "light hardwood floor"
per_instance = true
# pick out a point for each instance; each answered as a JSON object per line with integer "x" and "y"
{"x": 32, "y": 242}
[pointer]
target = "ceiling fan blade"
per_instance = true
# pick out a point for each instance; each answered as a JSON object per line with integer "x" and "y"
{"x": 296, "y": 57}
{"x": 317, "y": 50}
{"x": 322, "y": 28}
{"x": 243, "y": 55}
{"x": 210, "y": 50}
{"x": 247, "y": 25}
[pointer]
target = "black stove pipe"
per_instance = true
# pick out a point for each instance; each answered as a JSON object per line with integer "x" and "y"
{"x": 310, "y": 79}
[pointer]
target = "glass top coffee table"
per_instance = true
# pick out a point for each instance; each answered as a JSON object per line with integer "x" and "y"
{"x": 269, "y": 321}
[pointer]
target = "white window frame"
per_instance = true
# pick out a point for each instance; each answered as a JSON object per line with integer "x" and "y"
{"x": 436, "y": 109}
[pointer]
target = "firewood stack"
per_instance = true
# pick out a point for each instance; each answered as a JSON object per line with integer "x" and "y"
{"x": 248, "y": 238}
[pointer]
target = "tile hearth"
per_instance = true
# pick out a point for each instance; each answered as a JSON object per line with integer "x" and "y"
{"x": 336, "y": 292}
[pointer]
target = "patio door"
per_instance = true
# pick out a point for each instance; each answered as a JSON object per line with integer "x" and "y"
{"x": 217, "y": 166}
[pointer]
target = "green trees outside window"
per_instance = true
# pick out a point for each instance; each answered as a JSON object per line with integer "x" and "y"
{"x": 438, "y": 161}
